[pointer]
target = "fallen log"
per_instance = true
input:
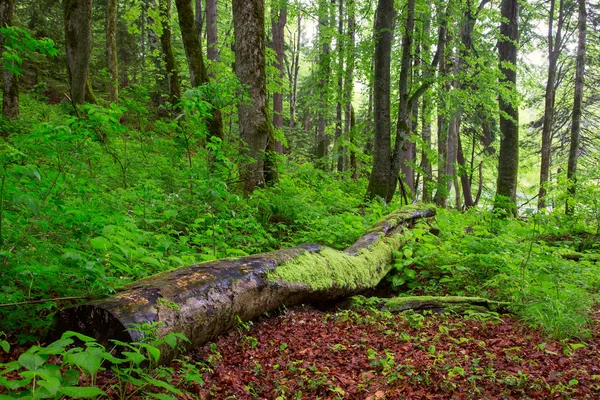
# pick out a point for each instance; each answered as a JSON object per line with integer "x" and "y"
{"x": 438, "y": 304}
{"x": 202, "y": 301}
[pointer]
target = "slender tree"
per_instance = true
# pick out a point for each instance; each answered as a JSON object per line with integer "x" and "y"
{"x": 349, "y": 118}
{"x": 577, "y": 104}
{"x": 10, "y": 95}
{"x": 508, "y": 159}
{"x": 340, "y": 88}
{"x": 278, "y": 21}
{"x": 555, "y": 44}
{"x": 324, "y": 70}
{"x": 212, "y": 37}
{"x": 111, "y": 49}
{"x": 78, "y": 41}
{"x": 255, "y": 127}
{"x": 172, "y": 71}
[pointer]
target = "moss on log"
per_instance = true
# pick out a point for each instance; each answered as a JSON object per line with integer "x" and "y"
{"x": 202, "y": 301}
{"x": 455, "y": 304}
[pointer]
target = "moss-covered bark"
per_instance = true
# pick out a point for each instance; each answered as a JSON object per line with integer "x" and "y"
{"x": 455, "y": 304}
{"x": 172, "y": 71}
{"x": 204, "y": 300}
{"x": 10, "y": 93}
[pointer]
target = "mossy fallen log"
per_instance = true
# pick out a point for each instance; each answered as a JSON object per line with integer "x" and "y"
{"x": 437, "y": 304}
{"x": 202, "y": 301}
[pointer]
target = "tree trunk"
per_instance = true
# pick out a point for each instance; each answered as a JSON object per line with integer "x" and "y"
{"x": 381, "y": 182}
{"x": 278, "y": 21}
{"x": 437, "y": 304}
{"x": 293, "y": 73}
{"x": 324, "y": 71}
{"x": 205, "y": 300}
{"x": 508, "y": 159}
{"x": 403, "y": 149}
{"x": 340, "y": 89}
{"x": 10, "y": 94}
{"x": 554, "y": 50}
{"x": 193, "y": 52}
{"x": 212, "y": 39}
{"x": 349, "y": 87}
{"x": 199, "y": 20}
{"x": 577, "y": 101}
{"x": 255, "y": 127}
{"x": 111, "y": 49}
{"x": 172, "y": 72}
{"x": 78, "y": 41}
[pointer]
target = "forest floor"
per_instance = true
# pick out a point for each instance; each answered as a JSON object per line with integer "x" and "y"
{"x": 362, "y": 353}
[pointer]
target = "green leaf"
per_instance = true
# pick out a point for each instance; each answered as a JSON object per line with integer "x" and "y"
{"x": 82, "y": 392}
{"x": 410, "y": 273}
{"x": 151, "y": 261}
{"x": 161, "y": 396}
{"x": 88, "y": 360}
{"x": 136, "y": 357}
{"x": 32, "y": 361}
{"x": 52, "y": 385}
{"x": 5, "y": 346}
{"x": 153, "y": 351}
{"x": 100, "y": 243}
{"x": 80, "y": 336}
{"x": 32, "y": 203}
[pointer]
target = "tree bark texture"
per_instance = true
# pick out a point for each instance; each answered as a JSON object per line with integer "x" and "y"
{"x": 381, "y": 181}
{"x": 339, "y": 154}
{"x": 255, "y": 127}
{"x": 278, "y": 21}
{"x": 554, "y": 50}
{"x": 349, "y": 86}
{"x": 10, "y": 93}
{"x": 577, "y": 102}
{"x": 78, "y": 42}
{"x": 199, "y": 20}
{"x": 508, "y": 159}
{"x": 111, "y": 49}
{"x": 212, "y": 38}
{"x": 205, "y": 300}
{"x": 171, "y": 70}
{"x": 193, "y": 52}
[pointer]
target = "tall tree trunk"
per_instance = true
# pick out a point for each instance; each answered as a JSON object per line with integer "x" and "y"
{"x": 199, "y": 20}
{"x": 508, "y": 159}
{"x": 554, "y": 50}
{"x": 10, "y": 95}
{"x": 172, "y": 72}
{"x": 340, "y": 89}
{"x": 382, "y": 183}
{"x": 111, "y": 49}
{"x": 349, "y": 87}
{"x": 78, "y": 41}
{"x": 193, "y": 51}
{"x": 464, "y": 177}
{"x": 577, "y": 101}
{"x": 403, "y": 149}
{"x": 255, "y": 127}
{"x": 278, "y": 21}
{"x": 212, "y": 39}
{"x": 324, "y": 71}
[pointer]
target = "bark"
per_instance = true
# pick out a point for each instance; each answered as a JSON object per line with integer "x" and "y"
{"x": 554, "y": 50}
{"x": 577, "y": 109}
{"x": 426, "y": 113}
{"x": 111, "y": 49}
{"x": 255, "y": 127}
{"x": 278, "y": 21}
{"x": 205, "y": 300}
{"x": 199, "y": 20}
{"x": 212, "y": 39}
{"x": 78, "y": 42}
{"x": 10, "y": 93}
{"x": 172, "y": 72}
{"x": 508, "y": 159}
{"x": 381, "y": 182}
{"x": 193, "y": 52}
{"x": 464, "y": 177}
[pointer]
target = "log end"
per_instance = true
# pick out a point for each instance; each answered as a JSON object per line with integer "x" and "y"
{"x": 94, "y": 321}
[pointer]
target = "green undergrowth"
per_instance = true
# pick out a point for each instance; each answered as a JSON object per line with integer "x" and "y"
{"x": 520, "y": 261}
{"x": 92, "y": 202}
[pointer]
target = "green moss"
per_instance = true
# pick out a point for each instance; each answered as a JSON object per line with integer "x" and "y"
{"x": 332, "y": 268}
{"x": 456, "y": 304}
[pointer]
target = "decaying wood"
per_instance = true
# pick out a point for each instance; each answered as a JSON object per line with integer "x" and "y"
{"x": 202, "y": 301}
{"x": 456, "y": 304}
